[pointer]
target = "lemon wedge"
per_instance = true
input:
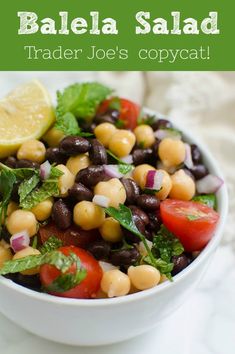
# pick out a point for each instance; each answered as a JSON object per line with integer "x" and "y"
{"x": 26, "y": 113}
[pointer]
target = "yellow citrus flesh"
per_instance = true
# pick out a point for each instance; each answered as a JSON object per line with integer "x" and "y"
{"x": 26, "y": 113}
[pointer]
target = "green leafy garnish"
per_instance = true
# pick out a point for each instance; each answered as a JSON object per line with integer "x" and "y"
{"x": 149, "y": 120}
{"x": 124, "y": 216}
{"x": 81, "y": 99}
{"x": 51, "y": 244}
{"x": 7, "y": 181}
{"x": 166, "y": 245}
{"x": 208, "y": 199}
{"x": 21, "y": 264}
{"x": 68, "y": 124}
{"x": 49, "y": 188}
{"x": 163, "y": 266}
{"x": 27, "y": 186}
{"x": 119, "y": 124}
{"x": 115, "y": 104}
{"x": 35, "y": 242}
{"x": 119, "y": 161}
{"x": 125, "y": 168}
{"x": 151, "y": 191}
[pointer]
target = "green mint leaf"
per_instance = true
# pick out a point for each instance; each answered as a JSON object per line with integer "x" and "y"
{"x": 114, "y": 157}
{"x": 27, "y": 186}
{"x": 208, "y": 199}
{"x": 125, "y": 168}
{"x": 7, "y": 181}
{"x": 166, "y": 245}
{"x": 65, "y": 282}
{"x": 149, "y": 120}
{"x": 51, "y": 244}
{"x": 49, "y": 188}
{"x": 192, "y": 217}
{"x": 68, "y": 124}
{"x": 163, "y": 266}
{"x": 115, "y": 104}
{"x": 119, "y": 124}
{"x": 81, "y": 99}
{"x": 21, "y": 264}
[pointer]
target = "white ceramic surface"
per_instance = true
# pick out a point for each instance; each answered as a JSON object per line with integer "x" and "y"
{"x": 97, "y": 322}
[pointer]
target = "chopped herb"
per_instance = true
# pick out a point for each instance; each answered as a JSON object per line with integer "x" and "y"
{"x": 124, "y": 168}
{"x": 149, "y": 120}
{"x": 35, "y": 242}
{"x": 27, "y": 186}
{"x": 163, "y": 267}
{"x": 120, "y": 124}
{"x": 49, "y": 188}
{"x": 119, "y": 161}
{"x": 51, "y": 244}
{"x": 7, "y": 181}
{"x": 115, "y": 104}
{"x": 151, "y": 191}
{"x": 65, "y": 282}
{"x": 192, "y": 217}
{"x": 208, "y": 199}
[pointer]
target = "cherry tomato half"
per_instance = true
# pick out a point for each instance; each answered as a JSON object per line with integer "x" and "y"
{"x": 191, "y": 222}
{"x": 129, "y": 111}
{"x": 71, "y": 236}
{"x": 88, "y": 287}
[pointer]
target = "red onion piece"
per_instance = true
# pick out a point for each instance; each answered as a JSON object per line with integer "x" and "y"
{"x": 167, "y": 133}
{"x": 209, "y": 184}
{"x": 45, "y": 170}
{"x": 154, "y": 180}
{"x": 188, "y": 156}
{"x": 101, "y": 200}
{"x": 113, "y": 171}
{"x": 19, "y": 241}
{"x": 127, "y": 159}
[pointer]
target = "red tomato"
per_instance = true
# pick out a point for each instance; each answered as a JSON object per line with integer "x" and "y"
{"x": 88, "y": 287}
{"x": 129, "y": 111}
{"x": 72, "y": 236}
{"x": 191, "y": 222}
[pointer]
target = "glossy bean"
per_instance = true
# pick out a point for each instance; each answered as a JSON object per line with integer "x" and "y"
{"x": 161, "y": 124}
{"x": 91, "y": 175}
{"x": 196, "y": 154}
{"x": 124, "y": 257}
{"x": 11, "y": 162}
{"x": 100, "y": 250}
{"x": 199, "y": 171}
{"x": 27, "y": 164}
{"x": 61, "y": 214}
{"x": 140, "y": 213}
{"x": 54, "y": 155}
{"x": 79, "y": 192}
{"x": 97, "y": 153}
{"x": 148, "y": 202}
{"x": 73, "y": 145}
{"x": 132, "y": 190}
{"x": 180, "y": 262}
{"x": 141, "y": 156}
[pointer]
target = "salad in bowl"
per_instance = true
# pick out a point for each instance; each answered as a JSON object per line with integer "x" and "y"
{"x": 99, "y": 198}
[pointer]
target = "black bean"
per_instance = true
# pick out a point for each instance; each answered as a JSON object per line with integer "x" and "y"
{"x": 61, "y": 214}
{"x": 148, "y": 202}
{"x": 97, "y": 153}
{"x": 141, "y": 156}
{"x": 132, "y": 190}
{"x": 140, "y": 213}
{"x": 196, "y": 154}
{"x": 154, "y": 221}
{"x": 29, "y": 281}
{"x": 80, "y": 192}
{"x": 125, "y": 257}
{"x": 27, "y": 164}
{"x": 73, "y": 145}
{"x": 111, "y": 116}
{"x": 199, "y": 171}
{"x": 11, "y": 162}
{"x": 129, "y": 236}
{"x": 161, "y": 123}
{"x": 54, "y": 155}
{"x": 180, "y": 262}
{"x": 100, "y": 250}
{"x": 155, "y": 149}
{"x": 91, "y": 175}
{"x": 88, "y": 127}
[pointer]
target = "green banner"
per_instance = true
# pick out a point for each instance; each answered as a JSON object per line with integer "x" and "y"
{"x": 117, "y": 35}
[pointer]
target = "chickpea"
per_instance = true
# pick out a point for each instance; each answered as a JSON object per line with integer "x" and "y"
{"x": 115, "y": 283}
{"x": 66, "y": 181}
{"x": 77, "y": 163}
{"x": 183, "y": 186}
{"x": 43, "y": 210}
{"x": 28, "y": 251}
{"x": 122, "y": 142}
{"x": 104, "y": 133}
{"x": 112, "y": 189}
{"x": 111, "y": 230}
{"x": 53, "y": 137}
{"x": 12, "y": 206}
{"x": 140, "y": 173}
{"x": 144, "y": 276}
{"x": 166, "y": 186}
{"x": 144, "y": 135}
{"x": 33, "y": 150}
{"x": 5, "y": 255}
{"x": 87, "y": 215}
{"x": 21, "y": 220}
{"x": 171, "y": 152}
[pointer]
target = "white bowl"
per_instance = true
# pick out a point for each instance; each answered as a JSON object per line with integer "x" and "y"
{"x": 106, "y": 321}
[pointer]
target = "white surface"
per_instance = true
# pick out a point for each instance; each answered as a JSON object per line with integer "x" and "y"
{"x": 205, "y": 103}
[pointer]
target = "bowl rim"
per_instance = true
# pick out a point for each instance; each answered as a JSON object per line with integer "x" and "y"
{"x": 144, "y": 295}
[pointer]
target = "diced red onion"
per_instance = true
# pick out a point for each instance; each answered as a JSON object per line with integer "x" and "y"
{"x": 113, "y": 171}
{"x": 209, "y": 184}
{"x": 19, "y": 241}
{"x": 167, "y": 133}
{"x": 101, "y": 200}
{"x": 45, "y": 170}
{"x": 154, "y": 179}
{"x": 188, "y": 156}
{"x": 127, "y": 159}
